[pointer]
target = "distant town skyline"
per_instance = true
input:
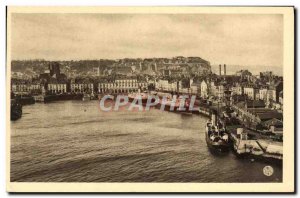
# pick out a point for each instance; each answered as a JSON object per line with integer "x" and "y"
{"x": 240, "y": 39}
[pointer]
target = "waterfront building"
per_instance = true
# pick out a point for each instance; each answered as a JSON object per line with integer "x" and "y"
{"x": 57, "y": 87}
{"x": 82, "y": 87}
{"x": 22, "y": 88}
{"x": 122, "y": 86}
{"x": 36, "y": 88}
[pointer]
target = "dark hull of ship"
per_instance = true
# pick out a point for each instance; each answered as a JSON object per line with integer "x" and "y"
{"x": 217, "y": 146}
{"x": 15, "y": 112}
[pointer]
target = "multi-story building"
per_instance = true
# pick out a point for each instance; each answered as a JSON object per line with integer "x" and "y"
{"x": 237, "y": 89}
{"x": 82, "y": 87}
{"x": 122, "y": 86}
{"x": 105, "y": 87}
{"x": 36, "y": 88}
{"x": 263, "y": 93}
{"x": 251, "y": 91}
{"x": 57, "y": 87}
{"x": 217, "y": 89}
{"x": 22, "y": 88}
{"x": 26, "y": 86}
{"x": 162, "y": 85}
{"x": 177, "y": 87}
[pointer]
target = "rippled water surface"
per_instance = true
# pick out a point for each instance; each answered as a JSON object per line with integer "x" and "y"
{"x": 73, "y": 141}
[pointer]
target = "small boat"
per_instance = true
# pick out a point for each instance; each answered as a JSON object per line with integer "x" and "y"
{"x": 216, "y": 138}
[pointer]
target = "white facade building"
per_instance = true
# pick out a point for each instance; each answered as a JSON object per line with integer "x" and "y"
{"x": 57, "y": 88}
{"x": 82, "y": 87}
{"x": 122, "y": 86}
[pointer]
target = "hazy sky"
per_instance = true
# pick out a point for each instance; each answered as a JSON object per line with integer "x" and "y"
{"x": 231, "y": 39}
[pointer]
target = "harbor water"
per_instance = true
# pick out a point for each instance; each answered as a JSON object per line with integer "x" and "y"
{"x": 74, "y": 141}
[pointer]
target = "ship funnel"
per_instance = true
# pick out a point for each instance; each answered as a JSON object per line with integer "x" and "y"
{"x": 224, "y": 69}
{"x": 220, "y": 69}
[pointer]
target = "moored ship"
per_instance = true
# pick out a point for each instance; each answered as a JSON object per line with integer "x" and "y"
{"x": 216, "y": 136}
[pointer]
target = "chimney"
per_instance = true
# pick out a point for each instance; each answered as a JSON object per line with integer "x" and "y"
{"x": 224, "y": 69}
{"x": 220, "y": 70}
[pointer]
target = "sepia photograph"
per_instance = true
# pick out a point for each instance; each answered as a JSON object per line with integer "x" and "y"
{"x": 150, "y": 99}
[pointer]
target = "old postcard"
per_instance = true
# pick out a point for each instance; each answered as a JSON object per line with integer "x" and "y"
{"x": 150, "y": 99}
